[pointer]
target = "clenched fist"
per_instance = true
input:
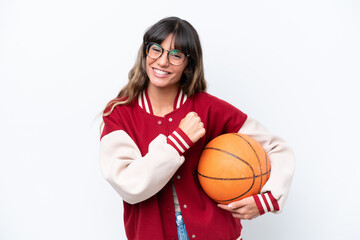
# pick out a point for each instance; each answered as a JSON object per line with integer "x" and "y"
{"x": 192, "y": 126}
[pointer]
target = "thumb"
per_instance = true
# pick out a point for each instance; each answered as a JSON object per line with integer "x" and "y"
{"x": 237, "y": 204}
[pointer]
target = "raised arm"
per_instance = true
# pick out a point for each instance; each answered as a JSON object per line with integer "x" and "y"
{"x": 136, "y": 177}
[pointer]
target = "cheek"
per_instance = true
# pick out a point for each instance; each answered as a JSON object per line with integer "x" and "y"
{"x": 184, "y": 66}
{"x": 148, "y": 62}
{"x": 180, "y": 71}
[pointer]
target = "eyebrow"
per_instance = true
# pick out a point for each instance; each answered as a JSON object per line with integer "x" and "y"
{"x": 171, "y": 49}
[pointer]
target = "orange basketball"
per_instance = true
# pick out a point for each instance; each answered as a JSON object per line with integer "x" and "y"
{"x": 233, "y": 166}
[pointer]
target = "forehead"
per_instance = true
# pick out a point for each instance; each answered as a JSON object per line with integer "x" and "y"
{"x": 168, "y": 42}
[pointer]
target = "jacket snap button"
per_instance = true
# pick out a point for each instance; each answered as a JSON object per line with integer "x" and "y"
{"x": 185, "y": 206}
{"x": 159, "y": 122}
{"x": 193, "y": 236}
{"x": 170, "y": 119}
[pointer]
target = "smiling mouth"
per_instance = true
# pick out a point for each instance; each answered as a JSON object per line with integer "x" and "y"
{"x": 158, "y": 71}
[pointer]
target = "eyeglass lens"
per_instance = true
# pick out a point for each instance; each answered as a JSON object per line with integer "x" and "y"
{"x": 176, "y": 57}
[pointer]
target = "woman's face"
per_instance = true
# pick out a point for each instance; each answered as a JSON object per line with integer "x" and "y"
{"x": 160, "y": 72}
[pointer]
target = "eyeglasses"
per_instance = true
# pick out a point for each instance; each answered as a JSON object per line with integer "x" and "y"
{"x": 175, "y": 57}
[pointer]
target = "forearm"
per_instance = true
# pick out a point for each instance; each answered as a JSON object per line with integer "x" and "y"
{"x": 281, "y": 159}
{"x": 136, "y": 177}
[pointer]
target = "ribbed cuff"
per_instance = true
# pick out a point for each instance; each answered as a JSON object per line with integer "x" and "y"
{"x": 266, "y": 203}
{"x": 179, "y": 140}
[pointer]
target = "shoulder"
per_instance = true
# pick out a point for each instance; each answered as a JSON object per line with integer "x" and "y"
{"x": 114, "y": 103}
{"x": 219, "y": 112}
{"x": 116, "y": 115}
{"x": 204, "y": 98}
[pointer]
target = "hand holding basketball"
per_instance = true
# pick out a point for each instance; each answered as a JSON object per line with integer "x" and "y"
{"x": 244, "y": 209}
{"x": 192, "y": 126}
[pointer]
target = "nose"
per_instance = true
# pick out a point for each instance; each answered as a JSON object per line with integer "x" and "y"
{"x": 163, "y": 60}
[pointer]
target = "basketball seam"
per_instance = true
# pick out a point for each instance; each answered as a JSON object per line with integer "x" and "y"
{"x": 226, "y": 200}
{"x": 257, "y": 157}
{"x": 233, "y": 155}
{"x": 253, "y": 172}
{"x": 244, "y": 178}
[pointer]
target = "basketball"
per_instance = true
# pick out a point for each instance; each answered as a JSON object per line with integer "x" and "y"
{"x": 233, "y": 166}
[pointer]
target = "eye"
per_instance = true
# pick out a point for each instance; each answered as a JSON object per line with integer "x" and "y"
{"x": 177, "y": 54}
{"x": 156, "y": 48}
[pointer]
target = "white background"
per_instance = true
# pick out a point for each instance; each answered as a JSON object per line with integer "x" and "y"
{"x": 293, "y": 65}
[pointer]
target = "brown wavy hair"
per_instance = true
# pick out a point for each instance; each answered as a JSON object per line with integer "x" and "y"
{"x": 186, "y": 40}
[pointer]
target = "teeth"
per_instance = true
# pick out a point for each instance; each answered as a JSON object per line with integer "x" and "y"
{"x": 160, "y": 72}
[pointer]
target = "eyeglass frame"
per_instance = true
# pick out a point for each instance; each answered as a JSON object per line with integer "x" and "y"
{"x": 168, "y": 51}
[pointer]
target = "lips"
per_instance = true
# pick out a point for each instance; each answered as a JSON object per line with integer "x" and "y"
{"x": 160, "y": 73}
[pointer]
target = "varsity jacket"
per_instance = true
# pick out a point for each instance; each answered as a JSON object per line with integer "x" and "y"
{"x": 142, "y": 156}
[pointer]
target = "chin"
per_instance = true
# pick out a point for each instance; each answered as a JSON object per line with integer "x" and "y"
{"x": 158, "y": 83}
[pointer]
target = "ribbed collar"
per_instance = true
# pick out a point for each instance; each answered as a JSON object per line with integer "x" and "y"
{"x": 144, "y": 101}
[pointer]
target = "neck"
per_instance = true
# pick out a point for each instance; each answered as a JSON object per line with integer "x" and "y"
{"x": 162, "y": 99}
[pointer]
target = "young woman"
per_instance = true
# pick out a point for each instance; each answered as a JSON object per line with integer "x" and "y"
{"x": 153, "y": 136}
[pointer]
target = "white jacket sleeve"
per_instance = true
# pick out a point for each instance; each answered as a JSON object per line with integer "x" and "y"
{"x": 281, "y": 159}
{"x": 136, "y": 177}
